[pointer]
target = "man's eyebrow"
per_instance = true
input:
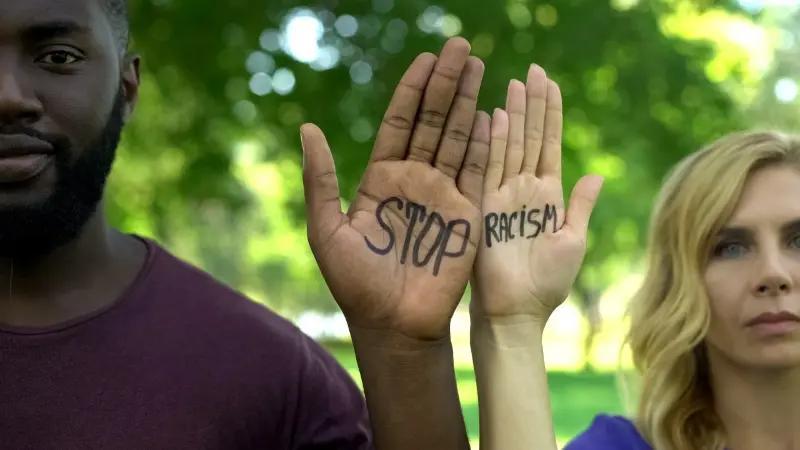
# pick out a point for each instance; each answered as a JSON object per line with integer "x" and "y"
{"x": 53, "y": 29}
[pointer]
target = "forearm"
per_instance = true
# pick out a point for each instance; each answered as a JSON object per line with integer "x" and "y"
{"x": 513, "y": 396}
{"x": 411, "y": 393}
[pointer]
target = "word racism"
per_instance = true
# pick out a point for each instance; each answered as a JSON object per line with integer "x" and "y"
{"x": 500, "y": 227}
{"x": 417, "y": 214}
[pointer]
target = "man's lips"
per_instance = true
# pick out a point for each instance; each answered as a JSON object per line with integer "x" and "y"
{"x": 23, "y": 157}
{"x": 12, "y": 145}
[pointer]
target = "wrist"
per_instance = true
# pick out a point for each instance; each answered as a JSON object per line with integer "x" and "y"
{"x": 513, "y": 331}
{"x": 392, "y": 341}
{"x": 530, "y": 314}
{"x": 386, "y": 356}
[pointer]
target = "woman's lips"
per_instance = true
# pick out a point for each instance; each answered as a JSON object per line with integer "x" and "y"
{"x": 773, "y": 324}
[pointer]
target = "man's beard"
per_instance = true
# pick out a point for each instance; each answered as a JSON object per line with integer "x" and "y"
{"x": 31, "y": 231}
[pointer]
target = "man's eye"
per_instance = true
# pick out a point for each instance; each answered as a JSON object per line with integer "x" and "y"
{"x": 729, "y": 250}
{"x": 795, "y": 241}
{"x": 59, "y": 58}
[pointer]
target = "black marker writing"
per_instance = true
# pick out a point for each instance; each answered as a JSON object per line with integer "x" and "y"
{"x": 443, "y": 248}
{"x": 434, "y": 217}
{"x": 550, "y": 213}
{"x": 499, "y": 227}
{"x": 414, "y": 212}
{"x": 385, "y": 226}
{"x": 532, "y": 220}
{"x": 489, "y": 224}
{"x": 431, "y": 222}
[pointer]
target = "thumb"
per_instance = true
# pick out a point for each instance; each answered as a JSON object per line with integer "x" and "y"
{"x": 581, "y": 202}
{"x": 323, "y": 206}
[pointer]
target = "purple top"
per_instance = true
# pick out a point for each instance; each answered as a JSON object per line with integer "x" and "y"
{"x": 609, "y": 433}
{"x": 177, "y": 362}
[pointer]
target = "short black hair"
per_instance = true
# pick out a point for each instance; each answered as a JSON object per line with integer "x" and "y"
{"x": 117, "y": 11}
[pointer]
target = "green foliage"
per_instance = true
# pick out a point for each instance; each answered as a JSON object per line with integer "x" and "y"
{"x": 575, "y": 397}
{"x": 213, "y": 170}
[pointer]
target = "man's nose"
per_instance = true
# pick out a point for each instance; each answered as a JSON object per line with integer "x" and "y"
{"x": 18, "y": 101}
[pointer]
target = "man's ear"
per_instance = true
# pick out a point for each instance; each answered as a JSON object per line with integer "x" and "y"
{"x": 130, "y": 83}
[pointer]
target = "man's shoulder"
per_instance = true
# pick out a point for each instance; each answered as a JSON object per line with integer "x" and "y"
{"x": 609, "y": 432}
{"x": 205, "y": 353}
{"x": 193, "y": 301}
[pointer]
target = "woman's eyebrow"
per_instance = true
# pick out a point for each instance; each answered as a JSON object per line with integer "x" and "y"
{"x": 793, "y": 225}
{"x": 745, "y": 233}
{"x": 734, "y": 232}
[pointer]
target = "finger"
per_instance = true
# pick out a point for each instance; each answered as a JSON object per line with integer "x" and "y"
{"x": 394, "y": 133}
{"x": 323, "y": 206}
{"x": 462, "y": 116}
{"x": 497, "y": 151}
{"x": 536, "y": 90}
{"x": 437, "y": 100}
{"x": 470, "y": 179}
{"x": 515, "y": 151}
{"x": 582, "y": 201}
{"x": 550, "y": 161}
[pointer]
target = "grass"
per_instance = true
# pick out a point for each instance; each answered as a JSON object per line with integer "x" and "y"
{"x": 576, "y": 397}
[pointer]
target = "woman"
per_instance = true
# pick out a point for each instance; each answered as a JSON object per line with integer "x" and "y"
{"x": 715, "y": 326}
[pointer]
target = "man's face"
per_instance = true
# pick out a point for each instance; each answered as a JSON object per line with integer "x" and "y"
{"x": 64, "y": 94}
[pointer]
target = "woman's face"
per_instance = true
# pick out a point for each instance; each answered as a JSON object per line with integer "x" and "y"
{"x": 753, "y": 275}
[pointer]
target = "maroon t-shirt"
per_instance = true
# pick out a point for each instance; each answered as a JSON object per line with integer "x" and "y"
{"x": 178, "y": 362}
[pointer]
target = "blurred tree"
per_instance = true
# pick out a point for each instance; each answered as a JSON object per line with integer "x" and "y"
{"x": 211, "y": 164}
{"x": 775, "y": 101}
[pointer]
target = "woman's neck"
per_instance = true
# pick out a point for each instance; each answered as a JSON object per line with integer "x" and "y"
{"x": 758, "y": 406}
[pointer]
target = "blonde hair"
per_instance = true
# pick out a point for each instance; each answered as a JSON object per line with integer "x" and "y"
{"x": 670, "y": 311}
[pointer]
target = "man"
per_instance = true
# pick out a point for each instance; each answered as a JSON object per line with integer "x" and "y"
{"x": 108, "y": 341}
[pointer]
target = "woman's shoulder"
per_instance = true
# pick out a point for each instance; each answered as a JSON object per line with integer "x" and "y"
{"x": 609, "y": 432}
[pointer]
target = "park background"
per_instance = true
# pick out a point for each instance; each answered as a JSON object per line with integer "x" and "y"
{"x": 211, "y": 164}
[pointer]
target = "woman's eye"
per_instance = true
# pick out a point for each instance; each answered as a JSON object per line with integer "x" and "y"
{"x": 731, "y": 249}
{"x": 60, "y": 58}
{"x": 795, "y": 241}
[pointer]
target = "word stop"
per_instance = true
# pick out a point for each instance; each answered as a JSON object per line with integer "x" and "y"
{"x": 423, "y": 223}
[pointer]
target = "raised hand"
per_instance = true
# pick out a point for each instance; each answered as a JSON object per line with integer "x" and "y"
{"x": 531, "y": 248}
{"x": 400, "y": 258}
{"x": 529, "y": 255}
